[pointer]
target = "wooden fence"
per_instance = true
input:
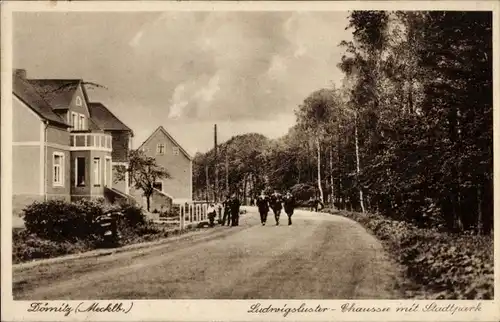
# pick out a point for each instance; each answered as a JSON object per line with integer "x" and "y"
{"x": 190, "y": 213}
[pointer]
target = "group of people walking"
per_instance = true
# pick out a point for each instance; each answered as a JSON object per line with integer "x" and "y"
{"x": 276, "y": 202}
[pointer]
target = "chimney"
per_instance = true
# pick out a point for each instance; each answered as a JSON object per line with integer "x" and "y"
{"x": 20, "y": 73}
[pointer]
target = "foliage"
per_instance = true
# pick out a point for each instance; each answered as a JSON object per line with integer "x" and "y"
{"x": 62, "y": 221}
{"x": 446, "y": 265}
{"x": 55, "y": 228}
{"x": 246, "y": 159}
{"x": 26, "y": 246}
{"x": 133, "y": 215}
{"x": 411, "y": 127}
{"x": 59, "y": 220}
{"x": 144, "y": 172}
{"x": 303, "y": 192}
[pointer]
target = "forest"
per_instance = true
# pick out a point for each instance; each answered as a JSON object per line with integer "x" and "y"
{"x": 408, "y": 134}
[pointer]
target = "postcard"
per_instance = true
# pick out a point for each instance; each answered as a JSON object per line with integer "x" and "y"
{"x": 249, "y": 161}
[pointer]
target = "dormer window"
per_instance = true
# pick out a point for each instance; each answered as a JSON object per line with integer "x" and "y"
{"x": 81, "y": 122}
{"x": 78, "y": 121}
{"x": 74, "y": 120}
{"x": 78, "y": 101}
{"x": 160, "y": 149}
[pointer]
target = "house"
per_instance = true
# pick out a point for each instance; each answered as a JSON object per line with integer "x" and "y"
{"x": 176, "y": 160}
{"x": 121, "y": 138}
{"x": 63, "y": 146}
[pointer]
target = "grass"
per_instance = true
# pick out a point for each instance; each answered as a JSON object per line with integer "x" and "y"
{"x": 27, "y": 247}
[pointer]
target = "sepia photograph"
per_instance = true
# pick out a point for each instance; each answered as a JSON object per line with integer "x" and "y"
{"x": 252, "y": 155}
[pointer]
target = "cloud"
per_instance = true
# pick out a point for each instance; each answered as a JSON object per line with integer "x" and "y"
{"x": 240, "y": 67}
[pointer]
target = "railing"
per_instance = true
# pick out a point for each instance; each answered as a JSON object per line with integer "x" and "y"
{"x": 91, "y": 140}
{"x": 192, "y": 213}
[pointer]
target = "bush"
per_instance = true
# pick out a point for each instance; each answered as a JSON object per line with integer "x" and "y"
{"x": 303, "y": 192}
{"x": 56, "y": 227}
{"x": 27, "y": 247}
{"x": 133, "y": 215}
{"x": 59, "y": 220}
{"x": 450, "y": 266}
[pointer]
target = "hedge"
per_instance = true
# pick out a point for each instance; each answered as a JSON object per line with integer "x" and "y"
{"x": 442, "y": 264}
{"x": 57, "y": 227}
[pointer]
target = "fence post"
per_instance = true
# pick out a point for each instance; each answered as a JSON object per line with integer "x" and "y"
{"x": 204, "y": 212}
{"x": 191, "y": 213}
{"x": 181, "y": 216}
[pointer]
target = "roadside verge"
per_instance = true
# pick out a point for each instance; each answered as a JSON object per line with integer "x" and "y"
{"x": 437, "y": 264}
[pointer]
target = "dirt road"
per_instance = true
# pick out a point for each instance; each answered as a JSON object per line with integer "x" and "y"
{"x": 319, "y": 257}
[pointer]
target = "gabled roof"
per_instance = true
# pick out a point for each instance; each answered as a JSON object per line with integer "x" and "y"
{"x": 161, "y": 129}
{"x": 57, "y": 92}
{"x": 106, "y": 120}
{"x": 29, "y": 95}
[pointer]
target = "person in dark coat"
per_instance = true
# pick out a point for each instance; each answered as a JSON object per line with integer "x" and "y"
{"x": 227, "y": 211}
{"x": 276, "y": 206}
{"x": 316, "y": 204}
{"x": 289, "y": 202}
{"x": 235, "y": 211}
{"x": 263, "y": 206}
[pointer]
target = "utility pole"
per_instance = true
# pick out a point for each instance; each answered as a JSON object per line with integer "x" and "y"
{"x": 207, "y": 183}
{"x": 216, "y": 184}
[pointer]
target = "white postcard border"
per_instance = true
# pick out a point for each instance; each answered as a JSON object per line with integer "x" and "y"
{"x": 221, "y": 310}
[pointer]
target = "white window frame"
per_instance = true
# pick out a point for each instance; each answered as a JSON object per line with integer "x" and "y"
{"x": 81, "y": 122}
{"x": 78, "y": 101}
{"x": 60, "y": 182}
{"x": 106, "y": 160}
{"x": 158, "y": 152}
{"x": 76, "y": 172}
{"x": 96, "y": 171}
{"x": 74, "y": 120}
{"x": 175, "y": 150}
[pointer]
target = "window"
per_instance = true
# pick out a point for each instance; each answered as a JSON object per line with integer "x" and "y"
{"x": 160, "y": 149}
{"x": 74, "y": 120}
{"x": 78, "y": 101}
{"x": 58, "y": 169}
{"x": 107, "y": 171}
{"x": 80, "y": 171}
{"x": 158, "y": 185}
{"x": 175, "y": 150}
{"x": 97, "y": 171}
{"x": 81, "y": 122}
{"x": 78, "y": 121}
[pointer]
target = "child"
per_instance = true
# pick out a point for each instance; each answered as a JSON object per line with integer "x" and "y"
{"x": 211, "y": 213}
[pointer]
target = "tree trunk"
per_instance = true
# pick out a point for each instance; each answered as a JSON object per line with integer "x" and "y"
{"x": 148, "y": 201}
{"x": 331, "y": 177}
{"x": 245, "y": 190}
{"x": 479, "y": 212}
{"x": 298, "y": 170}
{"x": 357, "y": 163}
{"x": 318, "y": 149}
{"x": 339, "y": 189}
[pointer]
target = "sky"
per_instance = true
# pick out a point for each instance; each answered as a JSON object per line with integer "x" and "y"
{"x": 244, "y": 71}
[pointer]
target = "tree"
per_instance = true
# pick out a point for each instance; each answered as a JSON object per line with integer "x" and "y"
{"x": 144, "y": 172}
{"x": 314, "y": 116}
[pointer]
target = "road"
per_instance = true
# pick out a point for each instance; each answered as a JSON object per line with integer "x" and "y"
{"x": 320, "y": 256}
